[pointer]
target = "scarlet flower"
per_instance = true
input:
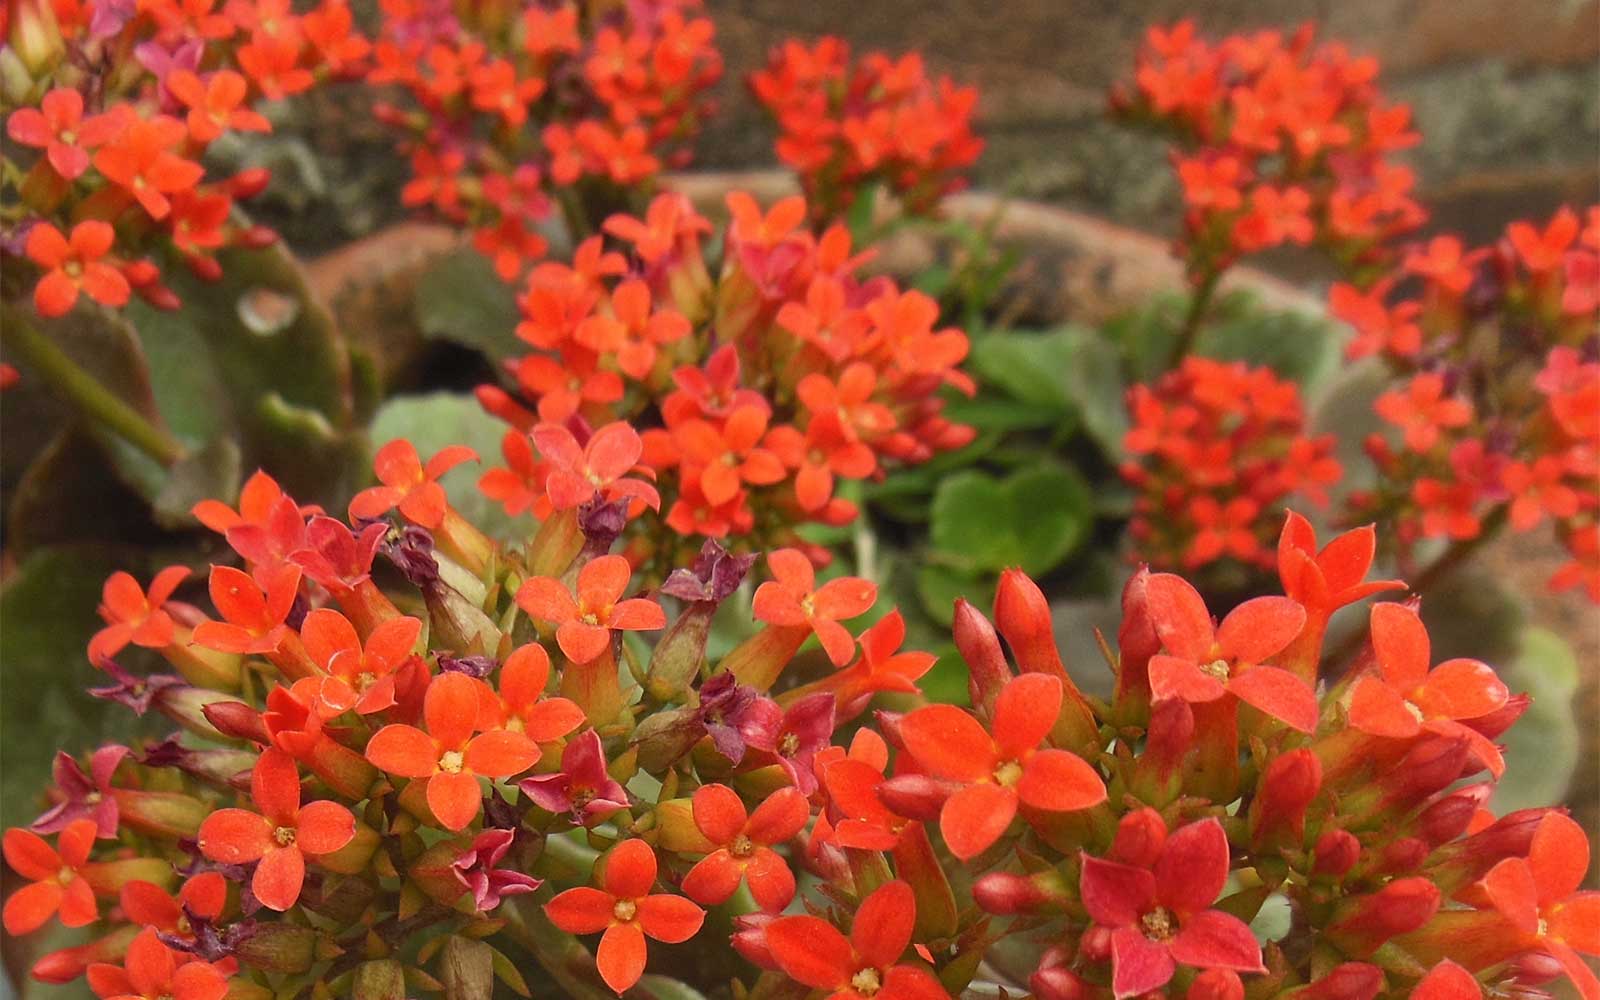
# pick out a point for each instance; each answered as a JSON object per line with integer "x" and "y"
{"x": 447, "y": 757}
{"x": 214, "y": 103}
{"x": 135, "y": 615}
{"x": 1538, "y": 896}
{"x": 409, "y": 484}
{"x": 1422, "y": 410}
{"x": 55, "y": 879}
{"x": 579, "y": 474}
{"x": 1447, "y": 981}
{"x": 280, "y": 836}
{"x": 1329, "y": 578}
{"x": 361, "y": 675}
{"x": 74, "y": 264}
{"x": 632, "y": 333}
{"x": 255, "y": 614}
{"x": 882, "y": 666}
{"x": 729, "y": 455}
{"x": 258, "y": 505}
{"x": 203, "y": 896}
{"x": 1000, "y": 771}
{"x": 57, "y": 127}
{"x": 1160, "y": 916}
{"x": 152, "y": 971}
{"x": 627, "y": 912}
{"x": 584, "y": 625}
{"x": 519, "y": 486}
{"x": 87, "y": 796}
{"x": 860, "y": 819}
{"x": 523, "y": 677}
{"x": 1443, "y": 263}
{"x": 582, "y": 787}
{"x": 141, "y": 160}
{"x": 1544, "y": 251}
{"x": 1539, "y": 488}
{"x": 792, "y": 598}
{"x": 865, "y": 965}
{"x": 1205, "y": 662}
{"x": 744, "y": 846}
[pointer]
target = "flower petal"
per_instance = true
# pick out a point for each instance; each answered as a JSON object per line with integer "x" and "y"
{"x": 621, "y": 956}
{"x": 630, "y": 870}
{"x": 450, "y": 709}
{"x": 779, "y": 817}
{"x": 1558, "y": 857}
{"x": 454, "y": 799}
{"x": 719, "y": 813}
{"x": 1212, "y": 939}
{"x": 1400, "y": 642}
{"x": 1058, "y": 781}
{"x": 884, "y": 922}
{"x": 1024, "y": 713}
{"x": 669, "y": 918}
{"x": 1193, "y": 867}
{"x": 501, "y": 753}
{"x": 235, "y": 836}
{"x": 713, "y": 879}
{"x": 278, "y": 878}
{"x": 810, "y": 951}
{"x": 1260, "y": 628}
{"x": 324, "y": 827}
{"x": 1138, "y": 965}
{"x": 770, "y": 880}
{"x": 1280, "y": 694}
{"x": 1175, "y": 677}
{"x": 974, "y": 818}
{"x": 405, "y": 751}
{"x": 948, "y": 743}
{"x": 1115, "y": 894}
{"x": 1180, "y": 617}
{"x": 1461, "y": 689}
{"x": 583, "y": 910}
{"x": 1378, "y": 709}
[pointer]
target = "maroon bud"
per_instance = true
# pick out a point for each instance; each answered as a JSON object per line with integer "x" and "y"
{"x": 237, "y": 720}
{"x": 750, "y": 939}
{"x": 1216, "y": 984}
{"x": 1535, "y": 968}
{"x": 1403, "y": 855}
{"x": 915, "y": 796}
{"x": 1449, "y": 817}
{"x": 1337, "y": 852}
{"x": 979, "y": 646}
{"x": 1140, "y": 837}
{"x": 256, "y": 238}
{"x": 1059, "y": 983}
{"x": 204, "y": 268}
{"x": 1426, "y": 768}
{"x": 160, "y": 296}
{"x": 1466, "y": 861}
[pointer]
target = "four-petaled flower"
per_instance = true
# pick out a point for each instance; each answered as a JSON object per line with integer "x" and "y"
{"x": 448, "y": 758}
{"x": 1403, "y": 697}
{"x": 55, "y": 879}
{"x": 58, "y": 127}
{"x": 72, "y": 264}
{"x": 88, "y": 796}
{"x": 579, "y": 472}
{"x": 409, "y": 484}
{"x": 584, "y": 625}
{"x": 135, "y": 615}
{"x": 1539, "y": 896}
{"x": 998, "y": 772}
{"x": 360, "y": 676}
{"x": 583, "y": 787}
{"x": 627, "y": 912}
{"x": 1161, "y": 916}
{"x": 1203, "y": 663}
{"x": 792, "y": 598}
{"x": 744, "y": 846}
{"x": 153, "y": 971}
{"x": 280, "y": 836}
{"x": 864, "y": 966}
{"x": 214, "y": 103}
{"x": 255, "y": 614}
{"x": 475, "y": 867}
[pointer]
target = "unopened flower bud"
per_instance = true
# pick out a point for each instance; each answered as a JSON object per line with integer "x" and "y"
{"x": 1449, "y": 817}
{"x": 1404, "y": 854}
{"x": 1287, "y": 788}
{"x": 1502, "y": 718}
{"x": 916, "y": 796}
{"x": 1140, "y": 836}
{"x": 1136, "y": 643}
{"x": 1059, "y": 983}
{"x": 163, "y": 814}
{"x": 1007, "y": 893}
{"x": 1158, "y": 772}
{"x": 1336, "y": 853}
{"x": 979, "y": 646}
{"x": 278, "y": 947}
{"x": 1364, "y": 923}
{"x": 1216, "y": 984}
{"x": 248, "y": 183}
{"x": 1426, "y": 768}
{"x": 1095, "y": 945}
{"x": 1535, "y": 968}
{"x": 750, "y": 939}
{"x": 1350, "y": 981}
{"x": 236, "y": 720}
{"x": 379, "y": 979}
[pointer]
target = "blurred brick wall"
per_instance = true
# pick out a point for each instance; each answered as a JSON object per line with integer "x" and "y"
{"x": 1506, "y": 92}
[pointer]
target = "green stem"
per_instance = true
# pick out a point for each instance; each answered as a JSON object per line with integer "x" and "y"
{"x": 83, "y": 391}
{"x": 1190, "y": 331}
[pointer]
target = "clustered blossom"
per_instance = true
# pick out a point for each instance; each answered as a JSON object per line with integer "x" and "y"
{"x": 1493, "y": 414}
{"x": 1279, "y": 141}
{"x": 760, "y": 390}
{"x": 115, "y": 105}
{"x": 1216, "y": 450}
{"x": 846, "y": 125}
{"x": 514, "y": 107}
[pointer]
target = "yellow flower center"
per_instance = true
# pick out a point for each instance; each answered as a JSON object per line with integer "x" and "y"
{"x": 866, "y": 982}
{"x": 624, "y": 910}
{"x": 284, "y": 835}
{"x": 1217, "y": 669}
{"x": 450, "y": 762}
{"x": 1157, "y": 924}
{"x": 789, "y": 745}
{"x": 1008, "y": 774}
{"x": 741, "y": 847}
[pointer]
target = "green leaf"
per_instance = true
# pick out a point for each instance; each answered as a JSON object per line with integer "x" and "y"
{"x": 1030, "y": 367}
{"x": 1096, "y": 387}
{"x": 1542, "y": 748}
{"x": 939, "y": 586}
{"x": 992, "y": 412}
{"x": 459, "y": 298}
{"x": 435, "y": 420}
{"x": 1034, "y": 518}
{"x": 666, "y": 988}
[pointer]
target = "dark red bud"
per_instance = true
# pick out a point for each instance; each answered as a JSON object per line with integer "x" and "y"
{"x": 1502, "y": 718}
{"x": 1023, "y": 616}
{"x": 1403, "y": 855}
{"x": 1289, "y": 785}
{"x": 1095, "y": 945}
{"x": 915, "y": 796}
{"x": 1535, "y": 968}
{"x": 1350, "y": 981}
{"x": 1058, "y": 983}
{"x": 1364, "y": 923}
{"x": 1007, "y": 894}
{"x": 1136, "y": 639}
{"x": 204, "y": 268}
{"x": 979, "y": 646}
{"x": 257, "y": 237}
{"x": 750, "y": 939}
{"x": 1449, "y": 817}
{"x": 238, "y": 720}
{"x": 1425, "y": 769}
{"x": 249, "y": 183}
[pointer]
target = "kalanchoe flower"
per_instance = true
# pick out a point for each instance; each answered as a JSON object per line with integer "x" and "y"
{"x": 716, "y": 574}
{"x": 578, "y": 474}
{"x": 360, "y": 676}
{"x": 744, "y": 844}
{"x": 1538, "y": 895}
{"x": 865, "y": 965}
{"x": 151, "y": 969}
{"x": 792, "y": 735}
{"x": 184, "y": 921}
{"x": 136, "y": 693}
{"x": 55, "y": 878}
{"x": 793, "y": 598}
{"x": 411, "y": 552}
{"x": 584, "y": 625}
{"x": 1160, "y": 915}
{"x": 626, "y": 910}
{"x": 410, "y": 485}
{"x": 281, "y": 835}
{"x": 1000, "y": 772}
{"x": 87, "y": 796}
{"x": 134, "y": 615}
{"x": 477, "y": 869}
{"x": 582, "y": 788}
{"x": 725, "y": 711}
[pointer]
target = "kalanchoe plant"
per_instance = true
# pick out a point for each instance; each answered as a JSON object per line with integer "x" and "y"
{"x": 760, "y": 389}
{"x": 517, "y": 108}
{"x": 346, "y": 811}
{"x": 847, "y": 125}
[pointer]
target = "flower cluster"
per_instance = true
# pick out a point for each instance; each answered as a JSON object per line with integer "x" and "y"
{"x": 397, "y": 770}
{"x": 1494, "y": 414}
{"x": 1280, "y": 141}
{"x": 759, "y": 390}
{"x": 1217, "y": 449}
{"x": 846, "y": 125}
{"x": 115, "y": 106}
{"x": 515, "y": 105}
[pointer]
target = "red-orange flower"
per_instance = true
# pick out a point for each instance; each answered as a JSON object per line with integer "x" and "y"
{"x": 1539, "y": 896}
{"x": 448, "y": 757}
{"x": 998, "y": 772}
{"x": 57, "y": 126}
{"x": 361, "y": 675}
{"x": 214, "y": 103}
{"x": 579, "y": 473}
{"x": 55, "y": 884}
{"x": 627, "y": 912}
{"x": 255, "y": 614}
{"x": 281, "y": 835}
{"x": 1203, "y": 662}
{"x": 409, "y": 484}
{"x": 864, "y": 966}
{"x": 153, "y": 971}
{"x": 727, "y": 456}
{"x": 744, "y": 846}
{"x": 1404, "y": 698}
{"x": 135, "y": 615}
{"x": 792, "y": 598}
{"x": 583, "y": 626}
{"x": 1421, "y": 410}
{"x": 141, "y": 160}
{"x": 72, "y": 265}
